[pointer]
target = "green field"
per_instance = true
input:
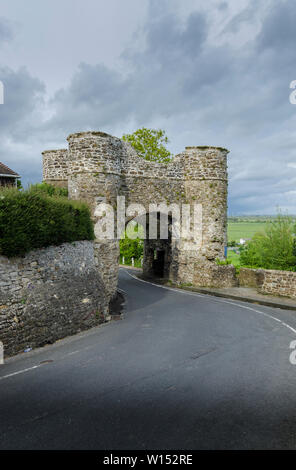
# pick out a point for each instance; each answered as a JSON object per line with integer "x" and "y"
{"x": 233, "y": 258}
{"x": 237, "y": 230}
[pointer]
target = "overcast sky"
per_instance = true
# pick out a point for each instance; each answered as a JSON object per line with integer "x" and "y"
{"x": 209, "y": 73}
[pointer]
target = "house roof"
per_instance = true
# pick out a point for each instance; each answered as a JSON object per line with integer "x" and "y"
{"x": 5, "y": 171}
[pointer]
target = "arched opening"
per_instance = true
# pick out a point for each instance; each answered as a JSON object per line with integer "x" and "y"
{"x": 155, "y": 243}
{"x": 158, "y": 246}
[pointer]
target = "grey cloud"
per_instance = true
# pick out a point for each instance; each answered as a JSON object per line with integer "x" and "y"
{"x": 19, "y": 119}
{"x": 214, "y": 94}
{"x": 247, "y": 15}
{"x": 96, "y": 97}
{"x": 235, "y": 95}
{"x": 176, "y": 72}
{"x": 278, "y": 31}
{"x": 6, "y": 30}
{"x": 23, "y": 95}
{"x": 223, "y": 6}
{"x": 166, "y": 38}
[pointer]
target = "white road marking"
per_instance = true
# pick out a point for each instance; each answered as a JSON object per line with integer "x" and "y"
{"x": 20, "y": 372}
{"x": 121, "y": 291}
{"x": 216, "y": 300}
{"x": 73, "y": 352}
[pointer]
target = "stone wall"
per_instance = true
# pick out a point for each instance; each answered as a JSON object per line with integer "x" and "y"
{"x": 101, "y": 167}
{"x": 251, "y": 277}
{"x": 268, "y": 281}
{"x": 214, "y": 275}
{"x": 279, "y": 283}
{"x": 55, "y": 167}
{"x": 49, "y": 294}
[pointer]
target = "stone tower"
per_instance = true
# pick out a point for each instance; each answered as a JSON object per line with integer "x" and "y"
{"x": 55, "y": 167}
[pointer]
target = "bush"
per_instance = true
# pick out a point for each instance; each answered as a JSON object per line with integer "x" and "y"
{"x": 33, "y": 219}
{"x": 131, "y": 249}
{"x": 45, "y": 188}
{"x": 273, "y": 249}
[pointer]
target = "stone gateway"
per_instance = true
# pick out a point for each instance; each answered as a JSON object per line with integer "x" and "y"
{"x": 98, "y": 167}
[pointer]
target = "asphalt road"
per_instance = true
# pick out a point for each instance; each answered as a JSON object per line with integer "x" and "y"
{"x": 180, "y": 371}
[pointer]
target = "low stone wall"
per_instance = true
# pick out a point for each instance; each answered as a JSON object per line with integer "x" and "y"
{"x": 279, "y": 283}
{"x": 251, "y": 277}
{"x": 269, "y": 281}
{"x": 211, "y": 275}
{"x": 49, "y": 294}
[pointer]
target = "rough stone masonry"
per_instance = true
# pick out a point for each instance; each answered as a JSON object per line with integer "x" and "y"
{"x": 49, "y": 294}
{"x": 98, "y": 167}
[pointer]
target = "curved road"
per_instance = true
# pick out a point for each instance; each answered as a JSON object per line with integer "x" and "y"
{"x": 180, "y": 371}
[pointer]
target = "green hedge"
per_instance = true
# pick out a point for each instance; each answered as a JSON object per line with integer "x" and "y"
{"x": 32, "y": 219}
{"x": 45, "y": 188}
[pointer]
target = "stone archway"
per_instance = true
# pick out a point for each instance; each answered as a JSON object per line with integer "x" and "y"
{"x": 98, "y": 167}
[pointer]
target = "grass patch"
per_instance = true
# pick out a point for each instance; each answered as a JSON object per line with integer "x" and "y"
{"x": 238, "y": 230}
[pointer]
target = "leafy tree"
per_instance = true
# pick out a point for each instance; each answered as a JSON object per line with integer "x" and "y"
{"x": 19, "y": 185}
{"x": 150, "y": 144}
{"x": 131, "y": 248}
{"x": 274, "y": 248}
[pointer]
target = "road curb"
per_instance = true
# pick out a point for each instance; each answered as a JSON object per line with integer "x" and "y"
{"x": 251, "y": 300}
{"x": 207, "y": 291}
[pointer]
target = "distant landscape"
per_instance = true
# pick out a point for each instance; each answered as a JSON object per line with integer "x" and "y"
{"x": 246, "y": 226}
{"x": 239, "y": 227}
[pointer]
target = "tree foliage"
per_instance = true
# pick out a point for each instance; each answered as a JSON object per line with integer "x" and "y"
{"x": 131, "y": 249}
{"x": 275, "y": 248}
{"x": 150, "y": 144}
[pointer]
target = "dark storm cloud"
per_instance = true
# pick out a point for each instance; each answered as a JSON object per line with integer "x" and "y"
{"x": 165, "y": 78}
{"x": 278, "y": 32}
{"x": 237, "y": 95}
{"x": 167, "y": 40}
{"x": 22, "y": 98}
{"x": 19, "y": 120}
{"x": 214, "y": 92}
{"x": 96, "y": 96}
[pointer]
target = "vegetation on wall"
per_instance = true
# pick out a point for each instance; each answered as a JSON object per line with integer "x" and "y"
{"x": 150, "y": 144}
{"x": 40, "y": 217}
{"x": 48, "y": 189}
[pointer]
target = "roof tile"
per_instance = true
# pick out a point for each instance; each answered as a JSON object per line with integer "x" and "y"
{"x": 4, "y": 170}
